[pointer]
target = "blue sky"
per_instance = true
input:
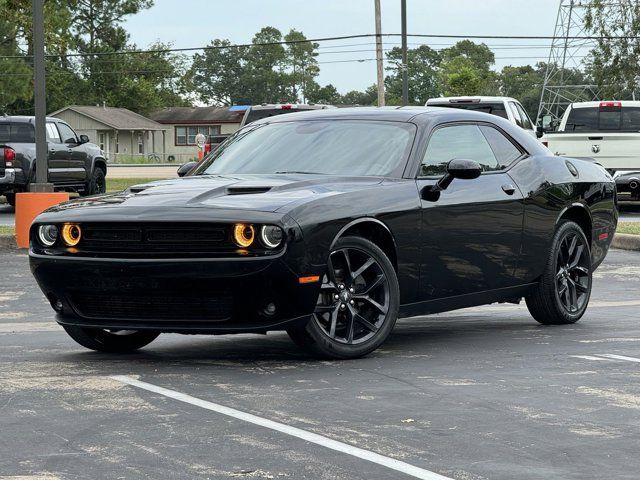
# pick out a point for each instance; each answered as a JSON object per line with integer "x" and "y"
{"x": 193, "y": 23}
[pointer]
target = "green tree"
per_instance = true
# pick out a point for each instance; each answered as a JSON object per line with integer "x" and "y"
{"x": 15, "y": 80}
{"x": 355, "y": 97}
{"x": 327, "y": 95}
{"x": 264, "y": 74}
{"x": 614, "y": 63}
{"x": 460, "y": 77}
{"x": 525, "y": 84}
{"x": 302, "y": 64}
{"x": 423, "y": 63}
{"x": 466, "y": 70}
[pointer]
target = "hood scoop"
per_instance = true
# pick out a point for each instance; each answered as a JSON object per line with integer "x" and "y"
{"x": 247, "y": 190}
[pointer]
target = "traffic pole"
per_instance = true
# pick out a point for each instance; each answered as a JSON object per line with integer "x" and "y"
{"x": 405, "y": 66}
{"x": 379, "y": 59}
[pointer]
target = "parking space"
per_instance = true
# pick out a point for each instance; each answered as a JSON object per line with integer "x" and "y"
{"x": 473, "y": 394}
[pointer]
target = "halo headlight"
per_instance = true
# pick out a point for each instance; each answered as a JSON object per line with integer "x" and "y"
{"x": 243, "y": 234}
{"x": 47, "y": 235}
{"x": 71, "y": 234}
{"x": 271, "y": 236}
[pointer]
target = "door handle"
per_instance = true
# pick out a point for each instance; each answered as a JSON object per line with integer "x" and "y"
{"x": 508, "y": 188}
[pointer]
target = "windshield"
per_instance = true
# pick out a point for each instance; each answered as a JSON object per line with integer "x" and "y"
{"x": 336, "y": 147}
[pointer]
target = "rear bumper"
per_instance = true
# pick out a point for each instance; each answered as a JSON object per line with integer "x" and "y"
{"x": 175, "y": 295}
{"x": 9, "y": 177}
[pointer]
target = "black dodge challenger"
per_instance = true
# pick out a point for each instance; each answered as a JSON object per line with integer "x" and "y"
{"x": 331, "y": 225}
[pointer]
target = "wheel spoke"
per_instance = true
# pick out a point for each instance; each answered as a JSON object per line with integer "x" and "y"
{"x": 572, "y": 246}
{"x": 334, "y": 322}
{"x": 580, "y": 270}
{"x": 573, "y": 294}
{"x": 562, "y": 289}
{"x": 576, "y": 257}
{"x": 325, "y": 308}
{"x": 363, "y": 268}
{"x": 345, "y": 253}
{"x": 371, "y": 301}
{"x": 363, "y": 321}
{"x": 350, "y": 325}
{"x": 380, "y": 279}
{"x": 581, "y": 287}
{"x": 331, "y": 272}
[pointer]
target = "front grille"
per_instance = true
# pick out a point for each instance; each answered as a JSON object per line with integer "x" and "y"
{"x": 218, "y": 307}
{"x": 154, "y": 239}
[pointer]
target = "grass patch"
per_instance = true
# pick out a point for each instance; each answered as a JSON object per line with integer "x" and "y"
{"x": 119, "y": 184}
{"x": 7, "y": 230}
{"x": 631, "y": 228}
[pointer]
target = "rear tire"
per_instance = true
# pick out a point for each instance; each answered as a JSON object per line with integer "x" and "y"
{"x": 11, "y": 198}
{"x": 358, "y": 303}
{"x": 117, "y": 341}
{"x": 562, "y": 294}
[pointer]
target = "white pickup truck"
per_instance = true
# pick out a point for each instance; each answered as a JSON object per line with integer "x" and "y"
{"x": 608, "y": 132}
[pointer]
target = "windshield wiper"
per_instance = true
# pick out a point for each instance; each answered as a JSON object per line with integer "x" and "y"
{"x": 286, "y": 172}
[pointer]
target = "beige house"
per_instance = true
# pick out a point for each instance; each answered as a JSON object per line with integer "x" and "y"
{"x": 123, "y": 135}
{"x": 184, "y": 123}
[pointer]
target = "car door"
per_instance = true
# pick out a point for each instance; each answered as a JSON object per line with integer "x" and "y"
{"x": 76, "y": 154}
{"x": 471, "y": 235}
{"x": 57, "y": 155}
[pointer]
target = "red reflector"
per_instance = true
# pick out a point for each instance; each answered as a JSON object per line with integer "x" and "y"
{"x": 610, "y": 104}
{"x": 311, "y": 279}
{"x": 603, "y": 236}
{"x": 9, "y": 154}
{"x": 286, "y": 107}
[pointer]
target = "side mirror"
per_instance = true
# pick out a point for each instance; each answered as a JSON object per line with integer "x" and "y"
{"x": 547, "y": 122}
{"x": 456, "y": 168}
{"x": 84, "y": 139}
{"x": 186, "y": 168}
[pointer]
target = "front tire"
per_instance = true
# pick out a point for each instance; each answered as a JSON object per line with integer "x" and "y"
{"x": 358, "y": 303}
{"x": 98, "y": 183}
{"x": 562, "y": 294}
{"x": 110, "y": 341}
{"x": 11, "y": 199}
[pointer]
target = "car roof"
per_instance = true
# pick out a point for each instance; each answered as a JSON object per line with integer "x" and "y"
{"x": 25, "y": 119}
{"x": 624, "y": 103}
{"x": 395, "y": 114}
{"x": 478, "y": 99}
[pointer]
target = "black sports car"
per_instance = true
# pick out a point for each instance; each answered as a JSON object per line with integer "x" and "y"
{"x": 331, "y": 225}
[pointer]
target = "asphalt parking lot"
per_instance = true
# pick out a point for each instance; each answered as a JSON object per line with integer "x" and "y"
{"x": 482, "y": 393}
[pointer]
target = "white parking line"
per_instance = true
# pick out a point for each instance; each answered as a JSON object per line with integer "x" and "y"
{"x": 620, "y": 357}
{"x": 590, "y": 357}
{"x": 388, "y": 462}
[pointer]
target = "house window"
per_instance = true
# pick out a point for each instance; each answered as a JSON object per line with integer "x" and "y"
{"x": 186, "y": 135}
{"x": 140, "y": 143}
{"x": 101, "y": 136}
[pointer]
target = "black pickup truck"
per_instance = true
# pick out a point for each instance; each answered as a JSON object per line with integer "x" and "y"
{"x": 74, "y": 164}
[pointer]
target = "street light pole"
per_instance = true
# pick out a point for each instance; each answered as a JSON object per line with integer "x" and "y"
{"x": 379, "y": 60}
{"x": 40, "y": 100}
{"x": 405, "y": 67}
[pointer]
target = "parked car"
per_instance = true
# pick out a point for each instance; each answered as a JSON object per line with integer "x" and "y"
{"x": 608, "y": 132}
{"x": 505, "y": 107}
{"x": 258, "y": 112}
{"x": 74, "y": 164}
{"x": 331, "y": 225}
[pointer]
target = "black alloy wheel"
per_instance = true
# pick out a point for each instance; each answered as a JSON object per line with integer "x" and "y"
{"x": 573, "y": 279}
{"x": 358, "y": 302}
{"x": 563, "y": 292}
{"x": 98, "y": 183}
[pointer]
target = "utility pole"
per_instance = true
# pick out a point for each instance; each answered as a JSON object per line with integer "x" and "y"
{"x": 42, "y": 176}
{"x": 405, "y": 66}
{"x": 379, "y": 60}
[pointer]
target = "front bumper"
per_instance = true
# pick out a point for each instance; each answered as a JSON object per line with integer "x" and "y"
{"x": 175, "y": 295}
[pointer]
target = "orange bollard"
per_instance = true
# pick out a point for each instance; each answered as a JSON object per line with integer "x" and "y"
{"x": 28, "y": 206}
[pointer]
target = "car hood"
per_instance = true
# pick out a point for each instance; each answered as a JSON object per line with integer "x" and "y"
{"x": 263, "y": 193}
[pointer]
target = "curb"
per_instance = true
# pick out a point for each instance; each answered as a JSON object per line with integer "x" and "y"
{"x": 624, "y": 241}
{"x": 8, "y": 241}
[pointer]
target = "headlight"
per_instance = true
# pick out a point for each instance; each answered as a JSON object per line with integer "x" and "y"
{"x": 47, "y": 234}
{"x": 271, "y": 236}
{"x": 243, "y": 234}
{"x": 71, "y": 234}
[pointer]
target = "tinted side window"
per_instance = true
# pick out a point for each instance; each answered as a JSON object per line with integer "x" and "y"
{"x": 631, "y": 119}
{"x": 505, "y": 151}
{"x": 526, "y": 122}
{"x": 457, "y": 141}
{"x": 516, "y": 114}
{"x": 68, "y": 135}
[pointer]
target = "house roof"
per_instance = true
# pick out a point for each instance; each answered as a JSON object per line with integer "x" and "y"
{"x": 116, "y": 118}
{"x": 197, "y": 115}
